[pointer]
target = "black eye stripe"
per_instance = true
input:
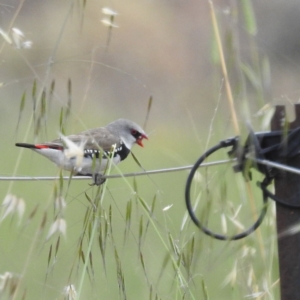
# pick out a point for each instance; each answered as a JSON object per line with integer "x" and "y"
{"x": 135, "y": 133}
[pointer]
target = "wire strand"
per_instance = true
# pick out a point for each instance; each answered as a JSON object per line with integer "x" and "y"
{"x": 276, "y": 165}
{"x": 151, "y": 172}
{"x": 167, "y": 170}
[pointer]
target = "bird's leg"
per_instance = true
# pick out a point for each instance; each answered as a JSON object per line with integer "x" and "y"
{"x": 98, "y": 179}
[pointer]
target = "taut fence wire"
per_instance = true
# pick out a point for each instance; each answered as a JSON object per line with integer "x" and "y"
{"x": 151, "y": 172}
{"x": 134, "y": 174}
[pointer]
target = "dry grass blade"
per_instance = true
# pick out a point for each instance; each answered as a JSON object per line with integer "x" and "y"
{"x": 51, "y": 92}
{"x": 173, "y": 245}
{"x": 117, "y": 259}
{"x": 224, "y": 69}
{"x": 127, "y": 219}
{"x": 249, "y": 17}
{"x": 86, "y": 220}
{"x": 43, "y": 223}
{"x": 37, "y": 126}
{"x": 140, "y": 165}
{"x": 187, "y": 257}
{"x": 151, "y": 214}
{"x": 102, "y": 246}
{"x": 120, "y": 275}
{"x": 57, "y": 246}
{"x": 192, "y": 248}
{"x": 135, "y": 187}
{"x": 69, "y": 180}
{"x": 61, "y": 182}
{"x": 49, "y": 255}
{"x": 83, "y": 260}
{"x": 80, "y": 248}
{"x": 205, "y": 291}
{"x": 43, "y": 111}
{"x": 151, "y": 292}
{"x": 90, "y": 228}
{"x": 61, "y": 121}
{"x": 251, "y": 76}
{"x": 137, "y": 161}
{"x": 163, "y": 267}
{"x": 13, "y": 286}
{"x": 81, "y": 255}
{"x": 144, "y": 204}
{"x": 91, "y": 263}
{"x": 24, "y": 295}
{"x": 143, "y": 265}
{"x": 105, "y": 230}
{"x": 21, "y": 108}
{"x": 69, "y": 104}
{"x": 33, "y": 94}
{"x": 91, "y": 202}
{"x": 140, "y": 232}
{"x": 43, "y": 104}
{"x": 110, "y": 216}
{"x": 177, "y": 265}
{"x": 109, "y": 225}
{"x": 32, "y": 214}
{"x": 148, "y": 111}
{"x": 128, "y": 213}
{"x": 34, "y": 104}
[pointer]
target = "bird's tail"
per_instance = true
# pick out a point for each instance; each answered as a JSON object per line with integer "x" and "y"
{"x": 40, "y": 146}
{"x": 25, "y": 145}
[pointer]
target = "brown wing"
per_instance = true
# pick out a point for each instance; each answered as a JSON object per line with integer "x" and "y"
{"x": 93, "y": 138}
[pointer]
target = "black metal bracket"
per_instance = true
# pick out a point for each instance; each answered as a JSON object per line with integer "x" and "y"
{"x": 275, "y": 146}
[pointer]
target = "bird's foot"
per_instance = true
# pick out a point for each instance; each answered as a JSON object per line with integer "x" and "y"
{"x": 98, "y": 180}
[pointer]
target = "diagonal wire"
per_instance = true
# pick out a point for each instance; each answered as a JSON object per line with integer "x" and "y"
{"x": 275, "y": 165}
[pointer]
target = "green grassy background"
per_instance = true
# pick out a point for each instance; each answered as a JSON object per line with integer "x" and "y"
{"x": 162, "y": 49}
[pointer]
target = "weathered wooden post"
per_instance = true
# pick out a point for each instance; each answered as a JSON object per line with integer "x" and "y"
{"x": 287, "y": 188}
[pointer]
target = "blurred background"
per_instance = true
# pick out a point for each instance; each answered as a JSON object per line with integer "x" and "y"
{"x": 91, "y": 72}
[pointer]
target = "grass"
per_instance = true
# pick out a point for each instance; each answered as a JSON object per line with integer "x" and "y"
{"x": 131, "y": 238}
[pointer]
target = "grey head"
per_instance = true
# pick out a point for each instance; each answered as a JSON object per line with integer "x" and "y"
{"x": 128, "y": 131}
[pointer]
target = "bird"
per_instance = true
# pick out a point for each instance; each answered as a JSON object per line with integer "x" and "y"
{"x": 87, "y": 153}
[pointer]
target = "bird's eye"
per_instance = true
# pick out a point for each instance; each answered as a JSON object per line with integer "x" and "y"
{"x": 133, "y": 132}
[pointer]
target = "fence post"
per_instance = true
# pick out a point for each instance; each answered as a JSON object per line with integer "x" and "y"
{"x": 287, "y": 188}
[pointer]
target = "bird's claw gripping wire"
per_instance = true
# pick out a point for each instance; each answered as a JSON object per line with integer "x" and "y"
{"x": 97, "y": 179}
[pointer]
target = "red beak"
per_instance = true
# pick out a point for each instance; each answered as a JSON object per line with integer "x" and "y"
{"x": 139, "y": 141}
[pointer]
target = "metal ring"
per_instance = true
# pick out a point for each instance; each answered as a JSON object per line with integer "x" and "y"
{"x": 222, "y": 144}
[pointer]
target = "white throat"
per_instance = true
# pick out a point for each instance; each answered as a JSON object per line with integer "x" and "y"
{"x": 127, "y": 143}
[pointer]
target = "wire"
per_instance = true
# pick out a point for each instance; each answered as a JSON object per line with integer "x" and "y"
{"x": 232, "y": 142}
{"x": 223, "y": 144}
{"x": 268, "y": 180}
{"x": 150, "y": 172}
{"x": 275, "y": 165}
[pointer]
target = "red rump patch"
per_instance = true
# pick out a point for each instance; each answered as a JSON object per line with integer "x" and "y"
{"x": 43, "y": 146}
